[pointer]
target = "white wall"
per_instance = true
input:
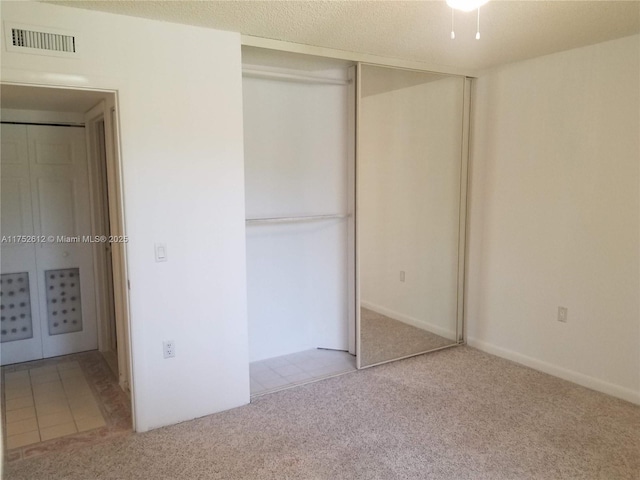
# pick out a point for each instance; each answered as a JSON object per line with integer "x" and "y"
{"x": 180, "y": 110}
{"x": 555, "y": 215}
{"x": 409, "y": 168}
{"x": 296, "y": 144}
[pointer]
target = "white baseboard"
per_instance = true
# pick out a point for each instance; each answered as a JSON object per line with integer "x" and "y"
{"x": 570, "y": 375}
{"x": 414, "y": 322}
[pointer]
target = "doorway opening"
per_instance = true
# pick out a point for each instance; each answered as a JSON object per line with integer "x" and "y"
{"x": 63, "y": 278}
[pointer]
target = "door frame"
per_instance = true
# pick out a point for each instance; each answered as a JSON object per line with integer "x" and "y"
{"x": 95, "y": 130}
{"x": 105, "y": 113}
{"x": 116, "y": 208}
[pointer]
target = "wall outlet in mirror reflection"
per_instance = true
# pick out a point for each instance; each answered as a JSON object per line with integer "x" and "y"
{"x": 562, "y": 314}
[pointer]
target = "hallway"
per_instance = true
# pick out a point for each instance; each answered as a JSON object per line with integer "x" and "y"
{"x": 61, "y": 403}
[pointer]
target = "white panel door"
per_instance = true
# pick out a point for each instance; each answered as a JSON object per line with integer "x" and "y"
{"x": 20, "y": 309}
{"x": 60, "y": 210}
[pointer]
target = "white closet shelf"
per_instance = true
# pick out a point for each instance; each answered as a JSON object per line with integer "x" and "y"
{"x": 306, "y": 218}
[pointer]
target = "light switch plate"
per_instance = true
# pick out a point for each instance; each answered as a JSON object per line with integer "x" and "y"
{"x": 161, "y": 252}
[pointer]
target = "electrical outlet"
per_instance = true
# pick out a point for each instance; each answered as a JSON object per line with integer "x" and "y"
{"x": 169, "y": 348}
{"x": 402, "y": 275}
{"x": 562, "y": 314}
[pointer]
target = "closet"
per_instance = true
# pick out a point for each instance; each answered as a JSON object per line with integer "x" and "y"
{"x": 46, "y": 201}
{"x": 355, "y": 236}
{"x": 299, "y": 160}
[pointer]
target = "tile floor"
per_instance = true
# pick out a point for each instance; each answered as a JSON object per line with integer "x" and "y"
{"x": 60, "y": 403}
{"x": 283, "y": 372}
{"x": 48, "y": 402}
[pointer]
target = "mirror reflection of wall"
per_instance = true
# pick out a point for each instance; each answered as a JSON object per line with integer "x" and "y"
{"x": 409, "y": 177}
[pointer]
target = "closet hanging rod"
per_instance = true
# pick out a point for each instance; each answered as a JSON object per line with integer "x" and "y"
{"x": 307, "y": 218}
{"x": 250, "y": 72}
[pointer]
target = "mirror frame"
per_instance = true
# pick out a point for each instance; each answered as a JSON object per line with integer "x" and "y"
{"x": 462, "y": 217}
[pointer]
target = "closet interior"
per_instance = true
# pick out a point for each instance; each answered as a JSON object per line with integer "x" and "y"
{"x": 299, "y": 122}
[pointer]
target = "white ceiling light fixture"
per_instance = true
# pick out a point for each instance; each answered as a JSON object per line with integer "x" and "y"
{"x": 466, "y": 6}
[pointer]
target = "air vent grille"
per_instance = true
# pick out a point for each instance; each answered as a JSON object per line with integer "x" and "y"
{"x": 43, "y": 40}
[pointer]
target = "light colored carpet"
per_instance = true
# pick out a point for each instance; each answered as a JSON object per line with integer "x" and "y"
{"x": 453, "y": 414}
{"x": 384, "y": 338}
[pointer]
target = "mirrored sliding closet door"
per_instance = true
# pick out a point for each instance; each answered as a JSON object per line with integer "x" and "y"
{"x": 411, "y": 175}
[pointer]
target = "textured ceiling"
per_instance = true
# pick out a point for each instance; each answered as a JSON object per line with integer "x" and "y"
{"x": 411, "y": 30}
